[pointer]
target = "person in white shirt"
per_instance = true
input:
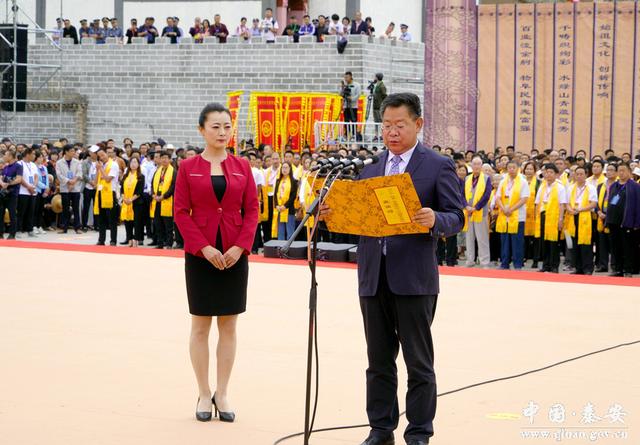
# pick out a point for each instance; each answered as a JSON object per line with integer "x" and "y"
{"x": 582, "y": 199}
{"x": 404, "y": 34}
{"x": 335, "y": 27}
{"x": 107, "y": 207}
{"x": 271, "y": 176}
{"x": 27, "y": 193}
{"x": 549, "y": 211}
{"x": 148, "y": 169}
{"x": 258, "y": 178}
{"x": 511, "y": 196}
{"x": 269, "y": 26}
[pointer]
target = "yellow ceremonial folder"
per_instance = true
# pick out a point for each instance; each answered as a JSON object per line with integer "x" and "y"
{"x": 381, "y": 206}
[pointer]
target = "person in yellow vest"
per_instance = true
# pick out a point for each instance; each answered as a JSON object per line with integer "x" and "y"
{"x": 161, "y": 210}
{"x": 271, "y": 175}
{"x": 511, "y": 197}
{"x": 582, "y": 200}
{"x": 597, "y": 173}
{"x": 604, "y": 239}
{"x": 105, "y": 203}
{"x": 131, "y": 212}
{"x": 551, "y": 201}
{"x": 532, "y": 247}
{"x": 477, "y": 191}
{"x": 597, "y": 177}
{"x": 284, "y": 213}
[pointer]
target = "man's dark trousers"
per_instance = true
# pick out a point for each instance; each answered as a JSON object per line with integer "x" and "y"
{"x": 391, "y": 321}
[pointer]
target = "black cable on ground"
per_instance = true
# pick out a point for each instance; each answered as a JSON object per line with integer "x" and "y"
{"x": 486, "y": 382}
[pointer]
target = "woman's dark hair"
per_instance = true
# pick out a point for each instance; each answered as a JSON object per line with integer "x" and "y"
{"x": 335, "y": 17}
{"x": 532, "y": 163}
{"x": 213, "y": 107}
{"x": 129, "y": 169}
{"x": 409, "y": 100}
{"x": 38, "y": 154}
{"x": 290, "y": 169}
{"x": 208, "y": 22}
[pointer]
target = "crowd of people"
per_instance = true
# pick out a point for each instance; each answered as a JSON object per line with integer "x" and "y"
{"x": 542, "y": 205}
{"x": 520, "y": 207}
{"x": 267, "y": 28}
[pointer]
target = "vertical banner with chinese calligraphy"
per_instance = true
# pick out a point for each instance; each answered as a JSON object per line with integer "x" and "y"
{"x": 622, "y": 100}
{"x": 486, "y": 105}
{"x": 233, "y": 104}
{"x": 635, "y": 124}
{"x": 506, "y": 63}
{"x": 583, "y": 76}
{"x": 543, "y": 113}
{"x": 525, "y": 74}
{"x": 563, "y": 81}
{"x": 603, "y": 77}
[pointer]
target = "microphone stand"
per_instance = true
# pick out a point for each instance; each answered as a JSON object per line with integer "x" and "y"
{"x": 314, "y": 210}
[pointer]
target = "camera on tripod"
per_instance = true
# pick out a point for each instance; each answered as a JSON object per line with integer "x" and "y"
{"x": 371, "y": 86}
{"x": 346, "y": 90}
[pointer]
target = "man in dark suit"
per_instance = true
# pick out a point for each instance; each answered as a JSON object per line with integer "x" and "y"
{"x": 398, "y": 278}
{"x": 358, "y": 26}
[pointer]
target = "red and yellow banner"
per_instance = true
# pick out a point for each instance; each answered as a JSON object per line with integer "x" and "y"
{"x": 279, "y": 119}
{"x": 266, "y": 112}
{"x": 234, "y": 99}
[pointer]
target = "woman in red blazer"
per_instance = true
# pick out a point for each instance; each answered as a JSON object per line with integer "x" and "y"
{"x": 216, "y": 210}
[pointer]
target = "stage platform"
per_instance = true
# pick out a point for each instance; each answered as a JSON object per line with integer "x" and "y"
{"x": 94, "y": 351}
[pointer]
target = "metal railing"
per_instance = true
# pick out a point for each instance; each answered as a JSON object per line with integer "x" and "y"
{"x": 334, "y": 135}
{"x": 6, "y": 116}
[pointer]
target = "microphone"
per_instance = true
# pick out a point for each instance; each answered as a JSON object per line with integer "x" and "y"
{"x": 358, "y": 164}
{"x": 324, "y": 164}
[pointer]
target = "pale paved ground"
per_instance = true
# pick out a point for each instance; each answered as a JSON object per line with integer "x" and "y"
{"x": 95, "y": 361}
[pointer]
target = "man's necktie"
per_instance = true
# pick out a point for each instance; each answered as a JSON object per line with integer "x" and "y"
{"x": 395, "y": 165}
{"x": 395, "y": 170}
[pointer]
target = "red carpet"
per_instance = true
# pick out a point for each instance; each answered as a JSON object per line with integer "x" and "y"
{"x": 444, "y": 270}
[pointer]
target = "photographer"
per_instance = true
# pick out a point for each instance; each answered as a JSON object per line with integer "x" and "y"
{"x": 269, "y": 26}
{"x": 350, "y": 93}
{"x": 378, "y": 90}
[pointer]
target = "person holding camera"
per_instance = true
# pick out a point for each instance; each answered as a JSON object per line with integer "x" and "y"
{"x": 378, "y": 90}
{"x": 269, "y": 26}
{"x": 350, "y": 93}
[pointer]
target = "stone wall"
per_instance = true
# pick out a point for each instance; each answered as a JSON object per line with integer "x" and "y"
{"x": 150, "y": 91}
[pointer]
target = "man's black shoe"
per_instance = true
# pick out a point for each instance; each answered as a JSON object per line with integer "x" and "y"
{"x": 374, "y": 440}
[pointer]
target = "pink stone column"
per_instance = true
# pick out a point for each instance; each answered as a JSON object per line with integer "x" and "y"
{"x": 450, "y": 73}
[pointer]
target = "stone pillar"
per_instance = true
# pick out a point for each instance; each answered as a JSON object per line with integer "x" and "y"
{"x": 281, "y": 16}
{"x": 450, "y": 73}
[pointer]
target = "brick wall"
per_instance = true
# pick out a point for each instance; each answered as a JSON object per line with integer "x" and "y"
{"x": 150, "y": 91}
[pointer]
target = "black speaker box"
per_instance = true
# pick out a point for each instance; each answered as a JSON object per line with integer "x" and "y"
{"x": 7, "y": 56}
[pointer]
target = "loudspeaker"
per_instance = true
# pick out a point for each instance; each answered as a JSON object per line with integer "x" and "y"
{"x": 6, "y": 56}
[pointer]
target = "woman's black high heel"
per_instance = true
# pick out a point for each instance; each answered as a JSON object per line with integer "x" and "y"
{"x": 202, "y": 416}
{"x": 224, "y": 417}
